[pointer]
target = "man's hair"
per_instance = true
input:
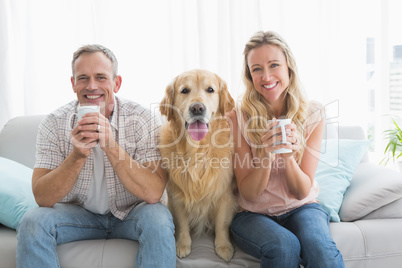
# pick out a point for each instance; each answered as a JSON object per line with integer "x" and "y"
{"x": 93, "y": 49}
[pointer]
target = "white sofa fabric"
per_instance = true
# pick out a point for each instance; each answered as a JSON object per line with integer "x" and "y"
{"x": 375, "y": 240}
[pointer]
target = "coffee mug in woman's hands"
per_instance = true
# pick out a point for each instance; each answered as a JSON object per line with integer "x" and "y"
{"x": 282, "y": 124}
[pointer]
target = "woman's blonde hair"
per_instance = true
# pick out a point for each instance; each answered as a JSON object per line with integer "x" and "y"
{"x": 255, "y": 107}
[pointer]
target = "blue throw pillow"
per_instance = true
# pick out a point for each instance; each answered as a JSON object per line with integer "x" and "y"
{"x": 338, "y": 161}
{"x": 15, "y": 192}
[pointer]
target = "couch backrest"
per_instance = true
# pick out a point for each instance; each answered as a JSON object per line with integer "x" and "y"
{"x": 333, "y": 131}
{"x": 18, "y": 139}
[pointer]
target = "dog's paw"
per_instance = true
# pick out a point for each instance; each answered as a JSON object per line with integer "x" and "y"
{"x": 225, "y": 252}
{"x": 183, "y": 250}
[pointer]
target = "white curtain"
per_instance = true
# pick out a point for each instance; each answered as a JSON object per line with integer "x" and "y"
{"x": 154, "y": 40}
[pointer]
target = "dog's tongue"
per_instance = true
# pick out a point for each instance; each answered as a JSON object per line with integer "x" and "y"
{"x": 197, "y": 130}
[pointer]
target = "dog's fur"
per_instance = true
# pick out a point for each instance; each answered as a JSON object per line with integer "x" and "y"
{"x": 201, "y": 183}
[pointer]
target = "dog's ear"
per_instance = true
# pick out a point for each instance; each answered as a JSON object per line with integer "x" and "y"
{"x": 226, "y": 102}
{"x": 166, "y": 105}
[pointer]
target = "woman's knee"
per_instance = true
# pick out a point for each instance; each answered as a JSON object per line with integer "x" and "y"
{"x": 282, "y": 252}
{"x": 286, "y": 246}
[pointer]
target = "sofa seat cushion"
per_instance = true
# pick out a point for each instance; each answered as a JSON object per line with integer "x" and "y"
{"x": 122, "y": 253}
{"x": 8, "y": 246}
{"x": 98, "y": 253}
{"x": 363, "y": 244}
{"x": 203, "y": 255}
{"x": 372, "y": 187}
{"x": 369, "y": 243}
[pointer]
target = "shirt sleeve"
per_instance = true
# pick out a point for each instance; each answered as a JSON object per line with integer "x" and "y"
{"x": 147, "y": 138}
{"x": 48, "y": 153}
{"x": 316, "y": 115}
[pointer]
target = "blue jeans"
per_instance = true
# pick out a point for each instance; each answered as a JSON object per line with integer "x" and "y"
{"x": 299, "y": 237}
{"x": 42, "y": 229}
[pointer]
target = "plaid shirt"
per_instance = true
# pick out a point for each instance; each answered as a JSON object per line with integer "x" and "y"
{"x": 134, "y": 128}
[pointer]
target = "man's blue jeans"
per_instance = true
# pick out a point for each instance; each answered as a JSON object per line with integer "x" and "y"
{"x": 42, "y": 229}
{"x": 299, "y": 237}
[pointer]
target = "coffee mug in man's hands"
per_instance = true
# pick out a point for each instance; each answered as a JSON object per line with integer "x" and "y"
{"x": 82, "y": 110}
{"x": 282, "y": 124}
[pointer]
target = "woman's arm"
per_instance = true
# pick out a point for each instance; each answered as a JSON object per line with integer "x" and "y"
{"x": 251, "y": 179}
{"x": 300, "y": 178}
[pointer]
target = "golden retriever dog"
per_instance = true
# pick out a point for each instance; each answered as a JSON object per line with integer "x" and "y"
{"x": 196, "y": 149}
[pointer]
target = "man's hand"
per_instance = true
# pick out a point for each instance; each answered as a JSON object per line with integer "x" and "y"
{"x": 85, "y": 135}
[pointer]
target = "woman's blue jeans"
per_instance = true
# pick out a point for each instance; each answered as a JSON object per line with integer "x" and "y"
{"x": 42, "y": 229}
{"x": 299, "y": 237}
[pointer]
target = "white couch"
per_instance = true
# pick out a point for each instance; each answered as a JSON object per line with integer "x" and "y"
{"x": 374, "y": 240}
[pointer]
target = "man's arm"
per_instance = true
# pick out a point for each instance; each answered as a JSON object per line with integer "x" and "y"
{"x": 50, "y": 186}
{"x": 146, "y": 181}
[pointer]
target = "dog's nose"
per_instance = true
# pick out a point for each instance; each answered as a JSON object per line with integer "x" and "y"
{"x": 197, "y": 108}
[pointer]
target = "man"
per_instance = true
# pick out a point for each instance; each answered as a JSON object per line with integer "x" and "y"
{"x": 100, "y": 177}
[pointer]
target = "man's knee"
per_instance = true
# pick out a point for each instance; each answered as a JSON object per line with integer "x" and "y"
{"x": 154, "y": 215}
{"x": 33, "y": 222}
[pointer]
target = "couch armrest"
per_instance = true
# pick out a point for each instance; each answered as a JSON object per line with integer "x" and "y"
{"x": 371, "y": 188}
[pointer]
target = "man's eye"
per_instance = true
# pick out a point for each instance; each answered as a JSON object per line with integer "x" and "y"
{"x": 185, "y": 91}
{"x": 210, "y": 90}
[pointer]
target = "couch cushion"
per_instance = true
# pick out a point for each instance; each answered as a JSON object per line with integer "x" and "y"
{"x": 122, "y": 253}
{"x": 8, "y": 246}
{"x": 98, "y": 253}
{"x": 203, "y": 255}
{"x": 391, "y": 211}
{"x": 369, "y": 243}
{"x": 15, "y": 192}
{"x": 338, "y": 161}
{"x": 372, "y": 187}
{"x": 18, "y": 139}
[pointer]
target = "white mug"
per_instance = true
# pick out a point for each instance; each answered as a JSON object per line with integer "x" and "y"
{"x": 282, "y": 124}
{"x": 82, "y": 110}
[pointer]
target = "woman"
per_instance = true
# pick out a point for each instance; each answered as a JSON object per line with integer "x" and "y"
{"x": 280, "y": 221}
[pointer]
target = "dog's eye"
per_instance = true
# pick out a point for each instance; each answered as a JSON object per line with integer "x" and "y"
{"x": 185, "y": 90}
{"x": 210, "y": 90}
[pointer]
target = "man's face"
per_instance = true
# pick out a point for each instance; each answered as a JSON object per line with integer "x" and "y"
{"x": 93, "y": 81}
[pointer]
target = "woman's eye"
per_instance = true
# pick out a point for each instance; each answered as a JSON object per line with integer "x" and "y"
{"x": 185, "y": 91}
{"x": 256, "y": 70}
{"x": 274, "y": 65}
{"x": 210, "y": 90}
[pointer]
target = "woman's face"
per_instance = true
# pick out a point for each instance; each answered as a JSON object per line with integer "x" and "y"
{"x": 269, "y": 72}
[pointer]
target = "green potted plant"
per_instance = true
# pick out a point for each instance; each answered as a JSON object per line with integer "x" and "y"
{"x": 393, "y": 150}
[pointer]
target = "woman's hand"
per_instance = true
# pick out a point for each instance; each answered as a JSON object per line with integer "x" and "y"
{"x": 274, "y": 134}
{"x": 293, "y": 137}
{"x": 270, "y": 137}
